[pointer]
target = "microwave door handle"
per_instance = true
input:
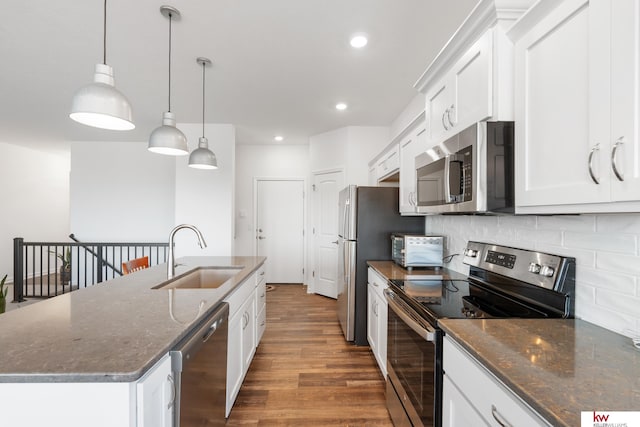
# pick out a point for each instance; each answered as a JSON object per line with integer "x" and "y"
{"x": 447, "y": 175}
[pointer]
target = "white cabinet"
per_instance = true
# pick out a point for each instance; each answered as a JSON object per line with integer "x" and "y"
{"x": 377, "y": 319}
{"x": 577, "y": 107}
{"x": 472, "y": 396}
{"x": 388, "y": 164}
{"x": 471, "y": 79}
{"x": 464, "y": 95}
{"x": 247, "y": 304}
{"x": 413, "y": 143}
{"x": 147, "y": 402}
{"x": 261, "y": 304}
{"x": 155, "y": 393}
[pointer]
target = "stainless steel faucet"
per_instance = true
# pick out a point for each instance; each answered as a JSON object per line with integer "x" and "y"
{"x": 171, "y": 263}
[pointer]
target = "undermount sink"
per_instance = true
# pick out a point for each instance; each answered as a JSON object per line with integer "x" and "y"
{"x": 201, "y": 278}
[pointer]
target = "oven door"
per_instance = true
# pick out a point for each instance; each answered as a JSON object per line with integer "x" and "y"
{"x": 414, "y": 354}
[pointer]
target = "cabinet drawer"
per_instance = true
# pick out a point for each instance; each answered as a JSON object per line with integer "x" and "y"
{"x": 490, "y": 398}
{"x": 378, "y": 283}
{"x": 261, "y": 296}
{"x": 240, "y": 295}
{"x": 261, "y": 324}
{"x": 260, "y": 275}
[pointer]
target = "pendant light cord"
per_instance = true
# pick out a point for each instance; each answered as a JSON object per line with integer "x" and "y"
{"x": 203, "y": 67}
{"x": 170, "y": 15}
{"x": 104, "y": 34}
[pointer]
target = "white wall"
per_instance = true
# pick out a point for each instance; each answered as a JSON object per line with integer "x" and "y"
{"x": 606, "y": 248}
{"x": 262, "y": 161}
{"x": 349, "y": 148}
{"x": 205, "y": 198}
{"x": 410, "y": 112}
{"x": 121, "y": 192}
{"x": 365, "y": 142}
{"x": 35, "y": 191}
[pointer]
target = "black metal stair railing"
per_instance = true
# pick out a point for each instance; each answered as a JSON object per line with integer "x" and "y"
{"x": 47, "y": 269}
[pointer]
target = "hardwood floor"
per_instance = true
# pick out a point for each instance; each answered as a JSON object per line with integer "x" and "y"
{"x": 305, "y": 374}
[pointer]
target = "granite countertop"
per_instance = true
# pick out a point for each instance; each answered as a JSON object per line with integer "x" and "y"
{"x": 110, "y": 332}
{"x": 393, "y": 271}
{"x": 560, "y": 367}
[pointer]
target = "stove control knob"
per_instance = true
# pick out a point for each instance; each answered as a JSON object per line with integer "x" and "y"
{"x": 547, "y": 271}
{"x": 472, "y": 253}
{"x": 534, "y": 268}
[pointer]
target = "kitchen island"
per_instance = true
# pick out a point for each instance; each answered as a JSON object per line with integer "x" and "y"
{"x": 98, "y": 343}
{"x": 557, "y": 367}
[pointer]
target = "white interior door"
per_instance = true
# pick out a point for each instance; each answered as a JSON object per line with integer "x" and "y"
{"x": 326, "y": 189}
{"x": 280, "y": 229}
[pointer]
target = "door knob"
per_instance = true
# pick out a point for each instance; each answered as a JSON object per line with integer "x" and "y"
{"x": 335, "y": 242}
{"x": 261, "y": 237}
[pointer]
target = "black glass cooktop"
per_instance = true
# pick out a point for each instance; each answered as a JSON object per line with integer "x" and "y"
{"x": 454, "y": 299}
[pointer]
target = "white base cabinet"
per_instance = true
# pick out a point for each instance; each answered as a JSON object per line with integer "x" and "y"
{"x": 247, "y": 320}
{"x": 377, "y": 319}
{"x": 147, "y": 402}
{"x": 472, "y": 396}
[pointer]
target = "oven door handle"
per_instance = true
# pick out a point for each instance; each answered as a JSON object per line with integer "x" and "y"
{"x": 410, "y": 317}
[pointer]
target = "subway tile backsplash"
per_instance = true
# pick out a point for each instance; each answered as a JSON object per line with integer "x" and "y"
{"x": 605, "y": 248}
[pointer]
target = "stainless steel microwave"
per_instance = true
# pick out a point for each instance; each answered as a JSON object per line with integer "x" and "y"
{"x": 471, "y": 172}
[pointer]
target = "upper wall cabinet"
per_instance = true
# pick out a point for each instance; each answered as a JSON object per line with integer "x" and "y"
{"x": 463, "y": 96}
{"x": 578, "y": 107}
{"x": 471, "y": 79}
{"x": 412, "y": 142}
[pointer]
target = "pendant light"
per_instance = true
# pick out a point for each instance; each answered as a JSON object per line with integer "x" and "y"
{"x": 100, "y": 104}
{"x": 168, "y": 139}
{"x": 202, "y": 157}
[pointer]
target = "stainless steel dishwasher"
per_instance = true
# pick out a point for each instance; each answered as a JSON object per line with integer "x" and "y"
{"x": 199, "y": 366}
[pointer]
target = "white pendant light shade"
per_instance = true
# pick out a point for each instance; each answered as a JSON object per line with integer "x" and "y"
{"x": 100, "y": 104}
{"x": 168, "y": 139}
{"x": 202, "y": 157}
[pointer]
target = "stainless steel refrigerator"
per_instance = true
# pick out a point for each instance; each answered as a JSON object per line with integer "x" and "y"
{"x": 368, "y": 216}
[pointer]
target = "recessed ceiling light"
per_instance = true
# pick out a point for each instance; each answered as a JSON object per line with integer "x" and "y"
{"x": 341, "y": 106}
{"x": 358, "y": 41}
{"x": 278, "y": 138}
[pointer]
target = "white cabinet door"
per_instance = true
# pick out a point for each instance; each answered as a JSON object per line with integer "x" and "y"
{"x": 457, "y": 411}
{"x": 242, "y": 339}
{"x": 155, "y": 393}
{"x": 388, "y": 164}
{"x": 412, "y": 145}
{"x": 465, "y": 95}
{"x": 486, "y": 395}
{"x": 553, "y": 136}
{"x": 234, "y": 360}
{"x": 578, "y": 108}
{"x": 625, "y": 95}
{"x": 372, "y": 319}
{"x": 248, "y": 332}
{"x": 377, "y": 319}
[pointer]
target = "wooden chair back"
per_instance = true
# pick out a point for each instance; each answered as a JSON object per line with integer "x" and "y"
{"x": 135, "y": 265}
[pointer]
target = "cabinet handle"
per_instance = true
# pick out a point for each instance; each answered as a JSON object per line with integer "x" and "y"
{"x": 245, "y": 317}
{"x": 614, "y": 158}
{"x": 499, "y": 418}
{"x": 591, "y": 154}
{"x": 173, "y": 391}
{"x": 443, "y": 122}
{"x": 451, "y": 122}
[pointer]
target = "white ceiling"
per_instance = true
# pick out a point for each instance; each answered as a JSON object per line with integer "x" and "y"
{"x": 279, "y": 66}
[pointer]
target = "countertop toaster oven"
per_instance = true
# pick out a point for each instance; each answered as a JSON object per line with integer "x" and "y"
{"x": 412, "y": 250}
